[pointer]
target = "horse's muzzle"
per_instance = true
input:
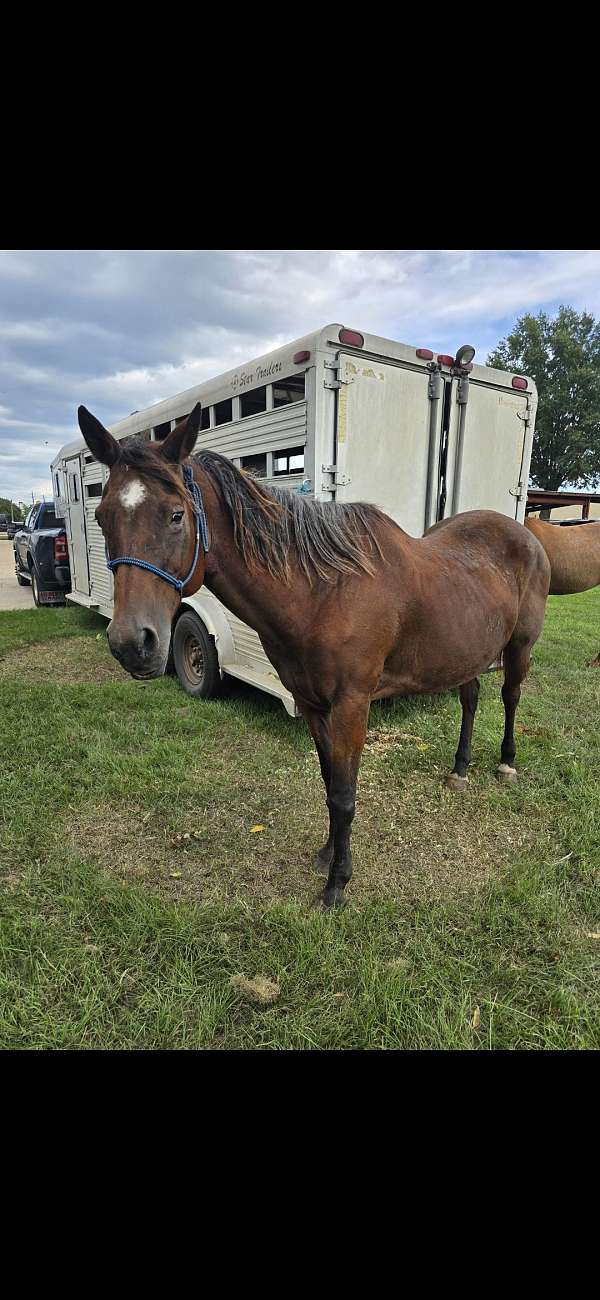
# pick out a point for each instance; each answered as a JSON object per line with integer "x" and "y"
{"x": 139, "y": 650}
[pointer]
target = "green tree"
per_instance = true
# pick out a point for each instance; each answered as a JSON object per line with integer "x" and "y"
{"x": 10, "y": 509}
{"x": 562, "y": 355}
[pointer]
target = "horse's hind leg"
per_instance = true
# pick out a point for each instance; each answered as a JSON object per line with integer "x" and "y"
{"x": 516, "y": 663}
{"x": 469, "y": 695}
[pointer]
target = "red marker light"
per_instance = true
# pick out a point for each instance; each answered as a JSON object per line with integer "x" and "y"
{"x": 519, "y": 383}
{"x": 352, "y": 337}
{"x": 425, "y": 354}
{"x": 300, "y": 356}
{"x": 445, "y": 360}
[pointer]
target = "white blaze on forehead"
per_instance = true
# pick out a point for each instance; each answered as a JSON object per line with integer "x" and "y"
{"x": 133, "y": 494}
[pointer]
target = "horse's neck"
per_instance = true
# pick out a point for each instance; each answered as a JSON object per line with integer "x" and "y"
{"x": 254, "y": 596}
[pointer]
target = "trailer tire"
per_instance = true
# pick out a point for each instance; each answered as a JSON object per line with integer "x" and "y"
{"x": 195, "y": 658}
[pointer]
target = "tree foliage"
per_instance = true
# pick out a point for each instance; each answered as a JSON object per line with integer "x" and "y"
{"x": 10, "y": 509}
{"x": 562, "y": 355}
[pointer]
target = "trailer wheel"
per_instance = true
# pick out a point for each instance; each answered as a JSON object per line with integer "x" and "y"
{"x": 195, "y": 658}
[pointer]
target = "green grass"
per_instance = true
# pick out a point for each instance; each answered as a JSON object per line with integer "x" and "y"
{"x": 469, "y": 919}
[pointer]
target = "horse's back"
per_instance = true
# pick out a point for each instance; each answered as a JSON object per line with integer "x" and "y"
{"x": 574, "y": 555}
{"x": 487, "y": 535}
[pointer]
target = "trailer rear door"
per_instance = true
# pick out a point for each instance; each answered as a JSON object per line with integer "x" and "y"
{"x": 383, "y": 435}
{"x": 491, "y": 473}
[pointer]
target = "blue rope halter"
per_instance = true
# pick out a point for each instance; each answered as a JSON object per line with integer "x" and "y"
{"x": 201, "y": 532}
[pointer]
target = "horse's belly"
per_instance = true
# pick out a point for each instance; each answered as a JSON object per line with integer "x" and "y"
{"x": 446, "y": 657}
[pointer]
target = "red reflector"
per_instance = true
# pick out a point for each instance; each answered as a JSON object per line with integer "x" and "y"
{"x": 445, "y": 360}
{"x": 300, "y": 356}
{"x": 425, "y": 354}
{"x": 519, "y": 383}
{"x": 353, "y": 337}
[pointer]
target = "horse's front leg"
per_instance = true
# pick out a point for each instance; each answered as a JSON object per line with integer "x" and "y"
{"x": 341, "y": 738}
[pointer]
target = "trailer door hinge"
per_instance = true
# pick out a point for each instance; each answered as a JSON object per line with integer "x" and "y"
{"x": 339, "y": 480}
{"x": 517, "y": 491}
{"x": 335, "y": 381}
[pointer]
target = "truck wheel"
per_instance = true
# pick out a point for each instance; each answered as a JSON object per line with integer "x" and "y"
{"x": 195, "y": 658}
{"x": 35, "y": 587}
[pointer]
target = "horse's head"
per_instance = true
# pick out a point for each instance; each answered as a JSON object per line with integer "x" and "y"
{"x": 146, "y": 513}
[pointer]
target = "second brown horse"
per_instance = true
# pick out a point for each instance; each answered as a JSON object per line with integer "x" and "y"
{"x": 574, "y": 555}
{"x": 348, "y": 607}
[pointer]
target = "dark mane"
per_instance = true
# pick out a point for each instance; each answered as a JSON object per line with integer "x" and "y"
{"x": 272, "y": 524}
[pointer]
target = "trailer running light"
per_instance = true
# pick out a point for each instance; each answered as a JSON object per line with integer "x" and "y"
{"x": 352, "y": 337}
{"x": 300, "y": 356}
{"x": 425, "y": 354}
{"x": 445, "y": 360}
{"x": 519, "y": 383}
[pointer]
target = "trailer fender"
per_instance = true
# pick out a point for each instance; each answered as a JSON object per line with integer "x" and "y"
{"x": 212, "y": 615}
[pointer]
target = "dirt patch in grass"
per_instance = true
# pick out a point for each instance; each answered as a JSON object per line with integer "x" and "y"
{"x": 64, "y": 659}
{"x": 412, "y": 839}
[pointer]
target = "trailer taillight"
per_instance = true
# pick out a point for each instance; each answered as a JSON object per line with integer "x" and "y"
{"x": 300, "y": 356}
{"x": 519, "y": 383}
{"x": 445, "y": 360}
{"x": 353, "y": 337}
{"x": 60, "y": 548}
{"x": 425, "y": 354}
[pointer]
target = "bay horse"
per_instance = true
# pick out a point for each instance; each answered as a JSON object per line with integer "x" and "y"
{"x": 574, "y": 555}
{"x": 347, "y": 606}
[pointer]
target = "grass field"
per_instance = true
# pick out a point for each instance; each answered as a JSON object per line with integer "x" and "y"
{"x": 139, "y": 908}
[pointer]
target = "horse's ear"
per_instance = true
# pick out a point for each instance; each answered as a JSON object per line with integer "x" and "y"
{"x": 180, "y": 441}
{"x": 100, "y": 442}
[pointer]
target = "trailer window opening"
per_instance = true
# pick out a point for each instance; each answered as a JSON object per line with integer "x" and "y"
{"x": 205, "y": 418}
{"x": 289, "y": 390}
{"x": 93, "y": 489}
{"x": 74, "y": 488}
{"x": 223, "y": 412}
{"x": 256, "y": 465}
{"x": 162, "y": 430}
{"x": 57, "y": 483}
{"x": 290, "y": 461}
{"x": 254, "y": 402}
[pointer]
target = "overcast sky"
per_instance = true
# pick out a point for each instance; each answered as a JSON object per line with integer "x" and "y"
{"x": 120, "y": 329}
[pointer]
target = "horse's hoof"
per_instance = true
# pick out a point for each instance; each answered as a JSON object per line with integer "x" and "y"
{"x": 329, "y": 898}
{"x": 324, "y": 859}
{"x": 505, "y": 774}
{"x": 456, "y": 782}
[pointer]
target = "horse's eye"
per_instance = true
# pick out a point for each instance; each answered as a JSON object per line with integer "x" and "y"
{"x": 177, "y": 516}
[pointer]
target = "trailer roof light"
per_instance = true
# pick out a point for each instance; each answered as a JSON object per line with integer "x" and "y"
{"x": 353, "y": 337}
{"x": 425, "y": 354}
{"x": 465, "y": 355}
{"x": 519, "y": 383}
{"x": 445, "y": 360}
{"x": 300, "y": 356}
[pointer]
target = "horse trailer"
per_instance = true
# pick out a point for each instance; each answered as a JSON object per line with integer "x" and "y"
{"x": 339, "y": 414}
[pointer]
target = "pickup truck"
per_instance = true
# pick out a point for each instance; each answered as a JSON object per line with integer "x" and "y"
{"x": 41, "y": 555}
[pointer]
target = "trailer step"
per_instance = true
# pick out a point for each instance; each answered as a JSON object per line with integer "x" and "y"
{"x": 77, "y": 598}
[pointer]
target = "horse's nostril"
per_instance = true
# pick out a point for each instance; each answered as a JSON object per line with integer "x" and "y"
{"x": 149, "y": 642}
